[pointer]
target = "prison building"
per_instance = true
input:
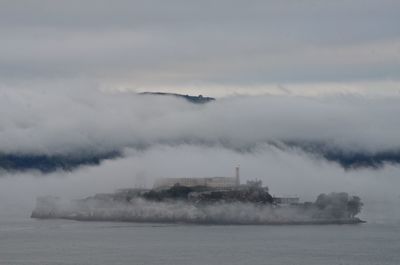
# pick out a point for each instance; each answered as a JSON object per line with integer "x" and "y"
{"x": 214, "y": 182}
{"x": 286, "y": 200}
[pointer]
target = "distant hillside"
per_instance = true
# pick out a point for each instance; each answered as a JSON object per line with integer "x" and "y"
{"x": 193, "y": 99}
{"x": 51, "y": 163}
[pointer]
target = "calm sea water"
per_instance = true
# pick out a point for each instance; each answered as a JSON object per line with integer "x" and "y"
{"x": 25, "y": 241}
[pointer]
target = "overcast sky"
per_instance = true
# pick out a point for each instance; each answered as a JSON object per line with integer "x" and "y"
{"x": 213, "y": 47}
{"x": 67, "y": 67}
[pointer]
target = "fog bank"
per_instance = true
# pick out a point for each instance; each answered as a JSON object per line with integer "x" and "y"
{"x": 53, "y": 130}
{"x": 286, "y": 174}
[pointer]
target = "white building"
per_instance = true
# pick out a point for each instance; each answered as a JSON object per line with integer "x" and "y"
{"x": 214, "y": 182}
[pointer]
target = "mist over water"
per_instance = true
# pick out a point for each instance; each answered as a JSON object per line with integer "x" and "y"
{"x": 283, "y": 140}
{"x": 297, "y": 146}
{"x": 307, "y": 99}
{"x": 58, "y": 123}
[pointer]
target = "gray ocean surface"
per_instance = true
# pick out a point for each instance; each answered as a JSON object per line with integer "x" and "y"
{"x": 26, "y": 241}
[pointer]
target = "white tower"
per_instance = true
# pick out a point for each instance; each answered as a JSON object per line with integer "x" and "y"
{"x": 237, "y": 176}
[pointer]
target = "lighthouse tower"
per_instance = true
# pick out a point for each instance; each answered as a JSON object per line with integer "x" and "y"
{"x": 237, "y": 176}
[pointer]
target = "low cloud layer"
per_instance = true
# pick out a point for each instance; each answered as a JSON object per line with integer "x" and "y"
{"x": 67, "y": 108}
{"x": 296, "y": 145}
{"x": 285, "y": 173}
{"x": 52, "y": 130}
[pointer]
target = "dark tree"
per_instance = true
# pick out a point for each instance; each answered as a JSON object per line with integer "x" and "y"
{"x": 354, "y": 206}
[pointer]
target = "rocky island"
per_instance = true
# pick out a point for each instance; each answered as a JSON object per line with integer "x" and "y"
{"x": 218, "y": 200}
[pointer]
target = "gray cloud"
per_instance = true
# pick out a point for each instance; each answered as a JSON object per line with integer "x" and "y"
{"x": 63, "y": 129}
{"x": 53, "y": 54}
{"x": 285, "y": 174}
{"x": 155, "y": 43}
